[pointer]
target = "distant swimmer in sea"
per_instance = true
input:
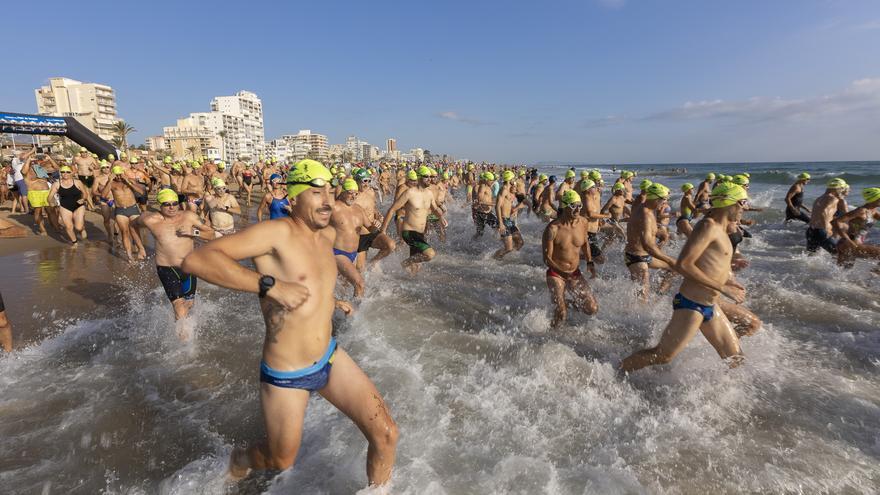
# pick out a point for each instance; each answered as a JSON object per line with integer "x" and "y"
{"x": 820, "y": 233}
{"x": 416, "y": 202}
{"x": 506, "y": 212}
{"x": 348, "y": 219}
{"x": 174, "y": 231}
{"x": 564, "y": 243}
{"x": 294, "y": 279}
{"x": 641, "y": 251}
{"x": 794, "y": 200}
{"x": 854, "y": 225}
{"x": 686, "y": 209}
{"x": 705, "y": 264}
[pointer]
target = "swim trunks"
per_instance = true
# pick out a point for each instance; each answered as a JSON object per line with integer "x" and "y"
{"x": 681, "y": 302}
{"x": 366, "y": 241}
{"x": 510, "y": 226}
{"x": 564, "y": 276}
{"x": 350, "y": 255}
{"x": 313, "y": 378}
{"x": 595, "y": 250}
{"x": 22, "y": 187}
{"x": 177, "y": 283}
{"x": 416, "y": 241}
{"x": 38, "y": 199}
{"x": 635, "y": 258}
{"x": 128, "y": 211}
{"x": 87, "y": 180}
{"x": 819, "y": 238}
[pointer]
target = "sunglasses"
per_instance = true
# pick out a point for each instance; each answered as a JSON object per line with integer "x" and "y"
{"x": 66, "y": 172}
{"x": 743, "y": 202}
{"x": 170, "y": 204}
{"x": 318, "y": 182}
{"x": 575, "y": 206}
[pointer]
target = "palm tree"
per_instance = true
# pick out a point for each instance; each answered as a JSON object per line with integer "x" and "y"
{"x": 122, "y": 130}
{"x": 118, "y": 142}
{"x": 193, "y": 150}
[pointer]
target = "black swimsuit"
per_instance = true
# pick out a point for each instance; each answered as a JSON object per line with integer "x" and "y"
{"x": 69, "y": 197}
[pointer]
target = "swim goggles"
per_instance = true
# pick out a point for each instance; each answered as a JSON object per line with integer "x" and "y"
{"x": 316, "y": 182}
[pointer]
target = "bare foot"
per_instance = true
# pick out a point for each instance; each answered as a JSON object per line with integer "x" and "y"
{"x": 238, "y": 465}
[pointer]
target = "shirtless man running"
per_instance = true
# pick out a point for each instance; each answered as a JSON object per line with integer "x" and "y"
{"x": 370, "y": 237}
{"x": 617, "y": 211}
{"x": 85, "y": 167}
{"x": 174, "y": 231}
{"x": 295, "y": 277}
{"x": 641, "y": 251}
{"x": 125, "y": 210}
{"x": 852, "y": 226}
{"x": 564, "y": 243}
{"x": 348, "y": 219}
{"x": 592, "y": 211}
{"x": 417, "y": 202}
{"x": 506, "y": 212}
{"x": 819, "y": 231}
{"x": 483, "y": 208}
{"x": 705, "y": 264}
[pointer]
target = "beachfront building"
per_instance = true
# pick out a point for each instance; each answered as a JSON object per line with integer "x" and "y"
{"x": 155, "y": 143}
{"x": 91, "y": 104}
{"x": 390, "y": 145}
{"x": 304, "y": 144}
{"x": 195, "y": 137}
{"x": 247, "y": 137}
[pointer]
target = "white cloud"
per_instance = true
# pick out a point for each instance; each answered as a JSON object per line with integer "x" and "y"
{"x": 451, "y": 115}
{"x": 860, "y": 96}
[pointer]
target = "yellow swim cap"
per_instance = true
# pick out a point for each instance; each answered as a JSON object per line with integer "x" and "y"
{"x": 570, "y": 174}
{"x": 470, "y": 166}
{"x": 871, "y": 194}
{"x": 584, "y": 174}
{"x": 82, "y": 149}
{"x": 305, "y": 174}
{"x": 595, "y": 176}
{"x": 424, "y": 171}
{"x": 217, "y": 182}
{"x": 618, "y": 187}
{"x": 65, "y": 168}
{"x": 133, "y": 159}
{"x": 837, "y": 183}
{"x": 542, "y": 177}
{"x": 710, "y": 176}
{"x": 569, "y": 197}
{"x": 726, "y": 194}
{"x": 657, "y": 191}
{"x": 804, "y": 176}
{"x": 687, "y": 186}
{"x": 167, "y": 159}
{"x": 522, "y": 173}
{"x": 350, "y": 185}
{"x": 587, "y": 183}
{"x": 221, "y": 165}
{"x": 645, "y": 184}
{"x": 166, "y": 196}
{"x": 117, "y": 170}
{"x": 412, "y": 175}
{"x": 508, "y": 176}
{"x": 111, "y": 157}
{"x": 176, "y": 166}
{"x": 197, "y": 164}
{"x": 490, "y": 176}
{"x": 122, "y": 155}
{"x": 446, "y": 175}
{"x": 742, "y": 180}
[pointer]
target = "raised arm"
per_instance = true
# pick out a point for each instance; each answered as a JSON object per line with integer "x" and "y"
{"x": 398, "y": 204}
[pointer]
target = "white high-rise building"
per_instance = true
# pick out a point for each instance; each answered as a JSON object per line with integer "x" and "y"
{"x": 92, "y": 104}
{"x": 303, "y": 144}
{"x": 248, "y": 139}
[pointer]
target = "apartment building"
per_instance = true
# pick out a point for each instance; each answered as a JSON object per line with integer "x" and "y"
{"x": 92, "y": 104}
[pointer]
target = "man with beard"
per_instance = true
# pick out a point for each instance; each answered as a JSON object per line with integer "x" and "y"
{"x": 417, "y": 202}
{"x": 370, "y": 236}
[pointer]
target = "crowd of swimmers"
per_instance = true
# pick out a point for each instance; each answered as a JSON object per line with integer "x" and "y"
{"x": 316, "y": 224}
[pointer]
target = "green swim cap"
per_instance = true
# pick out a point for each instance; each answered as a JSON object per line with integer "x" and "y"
{"x": 217, "y": 182}
{"x": 508, "y": 176}
{"x": 542, "y": 177}
{"x": 360, "y": 174}
{"x": 433, "y": 171}
{"x": 584, "y": 174}
{"x": 111, "y": 158}
{"x": 657, "y": 191}
{"x": 167, "y": 159}
{"x": 424, "y": 171}
{"x": 570, "y": 174}
{"x": 645, "y": 184}
{"x": 618, "y": 187}
{"x": 687, "y": 186}
{"x": 522, "y": 173}
{"x": 741, "y": 180}
{"x": 871, "y": 194}
{"x": 302, "y": 173}
{"x": 446, "y": 175}
{"x": 726, "y": 194}
{"x": 710, "y": 176}
{"x": 569, "y": 197}
{"x": 587, "y": 183}
{"x": 221, "y": 165}
{"x": 176, "y": 166}
{"x": 623, "y": 174}
{"x": 197, "y": 164}
{"x": 837, "y": 183}
{"x": 804, "y": 176}
{"x": 412, "y": 175}
{"x": 117, "y": 170}
{"x": 490, "y": 176}
{"x": 595, "y": 176}
{"x": 350, "y": 185}
{"x": 166, "y": 196}
{"x": 747, "y": 174}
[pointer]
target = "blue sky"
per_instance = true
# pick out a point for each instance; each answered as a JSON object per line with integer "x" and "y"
{"x": 600, "y": 81}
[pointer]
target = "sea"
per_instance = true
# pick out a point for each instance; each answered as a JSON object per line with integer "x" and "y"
{"x": 101, "y": 397}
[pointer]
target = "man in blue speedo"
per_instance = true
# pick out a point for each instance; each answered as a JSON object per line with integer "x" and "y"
{"x": 705, "y": 264}
{"x": 294, "y": 278}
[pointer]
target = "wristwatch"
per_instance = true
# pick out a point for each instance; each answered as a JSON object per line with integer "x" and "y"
{"x": 266, "y": 283}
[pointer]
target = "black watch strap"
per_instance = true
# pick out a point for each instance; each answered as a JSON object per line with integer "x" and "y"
{"x": 266, "y": 283}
